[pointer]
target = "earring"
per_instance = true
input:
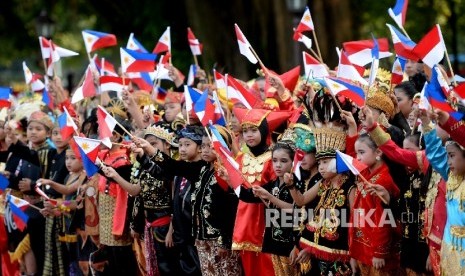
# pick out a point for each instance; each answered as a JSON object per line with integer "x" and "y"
{"x": 378, "y": 158}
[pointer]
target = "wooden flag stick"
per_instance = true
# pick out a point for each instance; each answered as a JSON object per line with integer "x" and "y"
{"x": 336, "y": 101}
{"x": 265, "y": 70}
{"x": 122, "y": 127}
{"x": 450, "y": 66}
{"x": 368, "y": 183}
{"x": 317, "y": 46}
{"x": 316, "y": 56}
{"x": 196, "y": 62}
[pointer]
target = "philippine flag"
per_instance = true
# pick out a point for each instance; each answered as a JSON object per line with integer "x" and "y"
{"x": 87, "y": 89}
{"x": 219, "y": 113}
{"x": 133, "y": 61}
{"x": 204, "y": 109}
{"x": 164, "y": 43}
{"x": 424, "y": 103}
{"x": 88, "y": 149}
{"x": 398, "y": 68}
{"x": 45, "y": 46}
{"x": 403, "y": 46}
{"x": 32, "y": 79}
{"x": 106, "y": 125}
{"x": 244, "y": 45}
{"x": 194, "y": 44}
{"x": 47, "y": 99}
{"x": 347, "y": 70}
{"x": 306, "y": 23}
{"x": 94, "y": 40}
{"x": 111, "y": 83}
{"x": 352, "y": 92}
{"x": 143, "y": 80}
{"x": 431, "y": 48}
{"x": 66, "y": 124}
{"x": 399, "y": 12}
{"x": 104, "y": 66}
{"x": 135, "y": 45}
{"x": 313, "y": 68}
{"x": 5, "y": 96}
{"x": 18, "y": 206}
{"x": 192, "y": 95}
{"x": 360, "y": 52}
{"x": 191, "y": 75}
{"x": 346, "y": 163}
{"x": 217, "y": 139}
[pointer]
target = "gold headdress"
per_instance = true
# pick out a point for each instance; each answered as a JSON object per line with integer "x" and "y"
{"x": 161, "y": 133}
{"x": 378, "y": 93}
{"x": 328, "y": 140}
{"x": 116, "y": 107}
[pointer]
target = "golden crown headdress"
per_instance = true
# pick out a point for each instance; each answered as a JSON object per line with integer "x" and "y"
{"x": 161, "y": 133}
{"x": 378, "y": 93}
{"x": 328, "y": 139}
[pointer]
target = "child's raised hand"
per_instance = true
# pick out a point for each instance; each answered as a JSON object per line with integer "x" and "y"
{"x": 261, "y": 192}
{"x": 379, "y": 190}
{"x": 367, "y": 117}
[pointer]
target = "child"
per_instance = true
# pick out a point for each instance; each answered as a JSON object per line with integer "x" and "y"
{"x": 278, "y": 239}
{"x": 374, "y": 246}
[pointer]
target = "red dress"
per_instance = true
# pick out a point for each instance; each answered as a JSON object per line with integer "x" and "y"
{"x": 381, "y": 240}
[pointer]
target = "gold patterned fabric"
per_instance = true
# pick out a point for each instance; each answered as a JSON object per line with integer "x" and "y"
{"x": 106, "y": 207}
{"x": 210, "y": 262}
{"x": 253, "y": 166}
{"x": 282, "y": 266}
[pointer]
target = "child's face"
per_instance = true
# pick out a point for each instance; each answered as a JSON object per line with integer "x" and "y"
{"x": 327, "y": 167}
{"x": 252, "y": 136}
{"x": 158, "y": 143}
{"x": 37, "y": 133}
{"x": 455, "y": 159}
{"x": 72, "y": 163}
{"x": 408, "y": 144}
{"x": 309, "y": 161}
{"x": 57, "y": 139}
{"x": 188, "y": 149}
{"x": 282, "y": 162}
{"x": 171, "y": 110}
{"x": 207, "y": 152}
{"x": 365, "y": 154}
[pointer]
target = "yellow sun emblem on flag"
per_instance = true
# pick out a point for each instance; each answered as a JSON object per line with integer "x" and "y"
{"x": 165, "y": 38}
{"x": 28, "y": 71}
{"x": 335, "y": 86}
{"x": 16, "y": 201}
{"x": 398, "y": 68}
{"x": 131, "y": 45}
{"x": 89, "y": 39}
{"x": 85, "y": 146}
{"x": 126, "y": 60}
{"x": 307, "y": 18}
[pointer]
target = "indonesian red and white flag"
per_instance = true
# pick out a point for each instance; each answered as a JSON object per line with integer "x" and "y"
{"x": 313, "y": 67}
{"x": 111, "y": 83}
{"x": 194, "y": 44}
{"x": 87, "y": 89}
{"x": 45, "y": 49}
{"x": 164, "y": 43}
{"x": 33, "y": 79}
{"x": 244, "y": 46}
{"x": 298, "y": 157}
{"x": 238, "y": 93}
{"x": 431, "y": 48}
{"x": 106, "y": 125}
{"x": 298, "y": 36}
{"x": 220, "y": 80}
{"x": 306, "y": 23}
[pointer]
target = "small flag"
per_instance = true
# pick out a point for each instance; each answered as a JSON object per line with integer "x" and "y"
{"x": 32, "y": 79}
{"x": 313, "y": 67}
{"x": 47, "y": 99}
{"x": 17, "y": 207}
{"x": 66, "y": 124}
{"x": 219, "y": 113}
{"x": 399, "y": 12}
{"x": 94, "y": 40}
{"x": 194, "y": 44}
{"x": 88, "y": 149}
{"x": 424, "y": 103}
{"x": 135, "y": 45}
{"x": 45, "y": 46}
{"x": 403, "y": 46}
{"x": 306, "y": 23}
{"x": 350, "y": 91}
{"x": 133, "y": 61}
{"x": 361, "y": 52}
{"x": 192, "y": 95}
{"x": 204, "y": 109}
{"x": 244, "y": 45}
{"x": 111, "y": 83}
{"x": 106, "y": 125}
{"x": 5, "y": 96}
{"x": 237, "y": 93}
{"x": 104, "y": 66}
{"x": 431, "y": 47}
{"x": 192, "y": 74}
{"x": 4, "y": 182}
{"x": 217, "y": 139}
{"x": 164, "y": 43}
{"x": 298, "y": 157}
{"x": 346, "y": 162}
{"x": 87, "y": 89}
{"x": 220, "y": 80}
{"x": 298, "y": 36}
{"x": 398, "y": 68}
{"x": 349, "y": 71}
